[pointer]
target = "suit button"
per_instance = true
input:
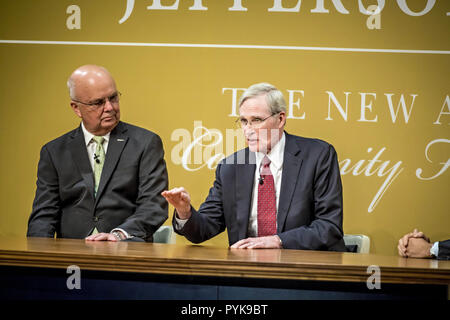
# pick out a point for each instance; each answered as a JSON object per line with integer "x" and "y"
{"x": 95, "y": 219}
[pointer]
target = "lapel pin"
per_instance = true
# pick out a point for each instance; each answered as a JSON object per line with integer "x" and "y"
{"x": 120, "y": 139}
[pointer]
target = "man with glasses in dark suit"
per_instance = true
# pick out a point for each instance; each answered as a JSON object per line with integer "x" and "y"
{"x": 283, "y": 191}
{"x": 101, "y": 181}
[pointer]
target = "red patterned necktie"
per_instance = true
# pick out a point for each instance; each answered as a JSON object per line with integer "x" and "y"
{"x": 267, "y": 207}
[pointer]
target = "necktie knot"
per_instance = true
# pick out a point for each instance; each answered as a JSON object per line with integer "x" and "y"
{"x": 98, "y": 140}
{"x": 264, "y": 169}
{"x": 265, "y": 162}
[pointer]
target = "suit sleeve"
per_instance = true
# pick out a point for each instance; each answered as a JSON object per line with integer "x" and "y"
{"x": 152, "y": 208}
{"x": 444, "y": 250}
{"x": 209, "y": 220}
{"x": 46, "y": 210}
{"x": 325, "y": 230}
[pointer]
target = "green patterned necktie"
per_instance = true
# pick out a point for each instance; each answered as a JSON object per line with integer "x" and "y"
{"x": 99, "y": 157}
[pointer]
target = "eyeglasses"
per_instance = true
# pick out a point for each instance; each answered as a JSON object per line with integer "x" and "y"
{"x": 254, "y": 123}
{"x": 100, "y": 103}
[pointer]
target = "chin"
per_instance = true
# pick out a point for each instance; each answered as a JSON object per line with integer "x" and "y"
{"x": 258, "y": 148}
{"x": 253, "y": 146}
{"x": 109, "y": 125}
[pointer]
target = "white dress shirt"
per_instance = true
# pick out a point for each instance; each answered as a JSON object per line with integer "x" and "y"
{"x": 276, "y": 157}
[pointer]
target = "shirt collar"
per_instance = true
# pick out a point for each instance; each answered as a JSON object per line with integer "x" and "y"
{"x": 275, "y": 155}
{"x": 88, "y": 136}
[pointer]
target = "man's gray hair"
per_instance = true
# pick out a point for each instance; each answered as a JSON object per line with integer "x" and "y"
{"x": 274, "y": 97}
{"x": 71, "y": 87}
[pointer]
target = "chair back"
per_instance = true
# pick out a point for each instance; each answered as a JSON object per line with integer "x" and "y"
{"x": 358, "y": 243}
{"x": 164, "y": 234}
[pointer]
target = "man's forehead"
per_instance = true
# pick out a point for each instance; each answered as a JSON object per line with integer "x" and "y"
{"x": 253, "y": 109}
{"x": 96, "y": 88}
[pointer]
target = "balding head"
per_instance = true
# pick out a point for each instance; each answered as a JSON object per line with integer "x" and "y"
{"x": 86, "y": 76}
{"x": 94, "y": 97}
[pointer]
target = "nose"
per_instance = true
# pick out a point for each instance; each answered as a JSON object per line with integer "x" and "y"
{"x": 248, "y": 131}
{"x": 108, "y": 105}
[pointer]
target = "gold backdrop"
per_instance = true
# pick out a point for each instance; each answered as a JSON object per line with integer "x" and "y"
{"x": 374, "y": 83}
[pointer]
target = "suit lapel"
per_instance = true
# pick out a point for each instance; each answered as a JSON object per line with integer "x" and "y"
{"x": 116, "y": 144}
{"x": 291, "y": 167}
{"x": 245, "y": 174}
{"x": 77, "y": 147}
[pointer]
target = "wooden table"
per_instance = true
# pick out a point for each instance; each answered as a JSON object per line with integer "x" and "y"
{"x": 37, "y": 268}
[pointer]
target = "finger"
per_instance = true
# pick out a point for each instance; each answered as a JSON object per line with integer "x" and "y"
{"x": 172, "y": 192}
{"x": 99, "y": 236}
{"x": 238, "y": 244}
{"x": 177, "y": 196}
{"x": 401, "y": 244}
{"x": 94, "y": 236}
{"x": 167, "y": 196}
{"x": 404, "y": 240}
{"x": 417, "y": 234}
{"x": 103, "y": 237}
{"x": 256, "y": 245}
{"x": 185, "y": 197}
{"x": 404, "y": 252}
{"x": 245, "y": 245}
{"x": 91, "y": 237}
{"x": 407, "y": 254}
{"x": 172, "y": 199}
{"x": 401, "y": 251}
{"x": 422, "y": 235}
{"x": 181, "y": 192}
{"x": 178, "y": 190}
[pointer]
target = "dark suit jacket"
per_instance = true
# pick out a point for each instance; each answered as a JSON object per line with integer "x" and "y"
{"x": 128, "y": 197}
{"x": 444, "y": 250}
{"x": 310, "y": 205}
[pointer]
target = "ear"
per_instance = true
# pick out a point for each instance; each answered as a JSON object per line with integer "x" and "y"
{"x": 76, "y": 109}
{"x": 282, "y": 118}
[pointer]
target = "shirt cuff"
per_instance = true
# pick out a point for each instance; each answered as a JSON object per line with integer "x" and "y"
{"x": 435, "y": 249}
{"x": 179, "y": 223}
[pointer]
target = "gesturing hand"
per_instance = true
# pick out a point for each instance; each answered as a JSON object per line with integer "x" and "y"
{"x": 180, "y": 199}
